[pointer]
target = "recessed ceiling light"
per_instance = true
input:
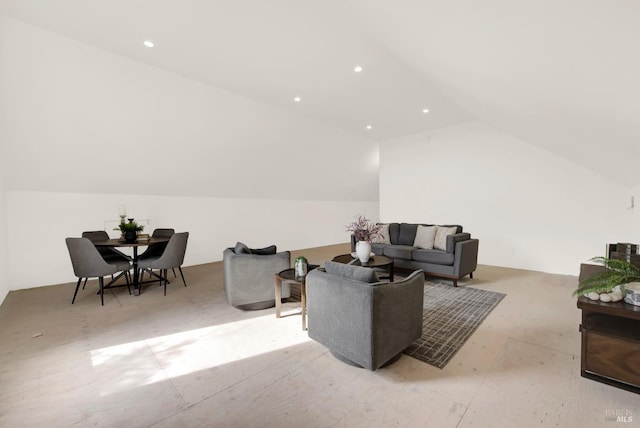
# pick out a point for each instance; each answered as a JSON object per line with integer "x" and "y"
{"x": 148, "y": 43}
{"x": 369, "y": 126}
{"x": 425, "y": 110}
{"x": 297, "y": 99}
{"x": 357, "y": 68}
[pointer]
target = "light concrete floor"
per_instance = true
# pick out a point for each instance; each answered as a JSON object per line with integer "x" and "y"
{"x": 191, "y": 360}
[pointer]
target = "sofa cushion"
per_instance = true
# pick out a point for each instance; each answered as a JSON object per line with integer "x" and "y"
{"x": 383, "y": 237}
{"x": 437, "y": 257}
{"x": 425, "y": 235}
{"x": 407, "y": 234}
{"x": 399, "y": 251}
{"x": 357, "y": 273}
{"x": 378, "y": 248}
{"x": 394, "y": 232}
{"x": 240, "y": 248}
{"x": 440, "y": 241}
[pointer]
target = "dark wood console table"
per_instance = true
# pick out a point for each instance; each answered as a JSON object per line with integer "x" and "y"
{"x": 611, "y": 343}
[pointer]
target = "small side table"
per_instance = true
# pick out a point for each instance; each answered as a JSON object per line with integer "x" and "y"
{"x": 290, "y": 276}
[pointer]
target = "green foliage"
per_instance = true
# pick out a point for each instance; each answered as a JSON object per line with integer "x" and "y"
{"x": 617, "y": 272}
{"x": 131, "y": 226}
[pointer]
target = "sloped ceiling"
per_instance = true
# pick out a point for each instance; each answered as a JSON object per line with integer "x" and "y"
{"x": 559, "y": 75}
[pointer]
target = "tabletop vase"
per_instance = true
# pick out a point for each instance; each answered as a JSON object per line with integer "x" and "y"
{"x": 363, "y": 250}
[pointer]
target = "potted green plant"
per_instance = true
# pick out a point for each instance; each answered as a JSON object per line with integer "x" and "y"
{"x": 130, "y": 230}
{"x": 617, "y": 273}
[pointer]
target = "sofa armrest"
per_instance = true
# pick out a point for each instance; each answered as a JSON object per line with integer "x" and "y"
{"x": 466, "y": 258}
{"x": 452, "y": 240}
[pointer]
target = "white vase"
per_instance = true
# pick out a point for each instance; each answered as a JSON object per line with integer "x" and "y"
{"x": 363, "y": 250}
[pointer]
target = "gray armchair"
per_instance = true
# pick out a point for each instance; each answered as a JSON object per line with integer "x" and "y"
{"x": 366, "y": 324}
{"x": 249, "y": 277}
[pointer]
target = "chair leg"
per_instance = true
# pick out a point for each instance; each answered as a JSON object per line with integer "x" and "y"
{"x": 174, "y": 272}
{"x": 165, "y": 282}
{"x": 101, "y": 281}
{"x": 76, "y": 292}
{"x": 85, "y": 283}
{"x": 182, "y": 275}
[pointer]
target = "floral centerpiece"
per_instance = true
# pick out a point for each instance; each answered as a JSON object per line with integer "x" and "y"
{"x": 364, "y": 230}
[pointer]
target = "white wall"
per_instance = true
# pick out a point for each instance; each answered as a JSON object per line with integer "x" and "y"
{"x": 40, "y": 221}
{"x": 529, "y": 208}
{"x": 84, "y": 130}
{"x": 4, "y": 277}
{"x": 79, "y": 119}
{"x": 634, "y": 233}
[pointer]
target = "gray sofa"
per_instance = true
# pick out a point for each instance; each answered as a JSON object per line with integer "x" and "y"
{"x": 458, "y": 259}
{"x": 249, "y": 276}
{"x": 363, "y": 322}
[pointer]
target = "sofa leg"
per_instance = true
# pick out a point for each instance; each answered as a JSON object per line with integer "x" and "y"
{"x": 455, "y": 282}
{"x": 471, "y": 275}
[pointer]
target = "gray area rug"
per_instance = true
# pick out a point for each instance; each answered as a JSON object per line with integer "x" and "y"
{"x": 451, "y": 315}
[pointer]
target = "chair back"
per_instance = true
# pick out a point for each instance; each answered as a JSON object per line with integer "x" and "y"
{"x": 163, "y": 233}
{"x": 86, "y": 260}
{"x": 96, "y": 235}
{"x": 173, "y": 255}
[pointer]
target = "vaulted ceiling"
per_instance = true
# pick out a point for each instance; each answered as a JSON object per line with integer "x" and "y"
{"x": 559, "y": 75}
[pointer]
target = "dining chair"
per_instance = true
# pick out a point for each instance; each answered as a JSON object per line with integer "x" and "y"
{"x": 109, "y": 254}
{"x": 171, "y": 257}
{"x": 88, "y": 263}
{"x": 158, "y": 249}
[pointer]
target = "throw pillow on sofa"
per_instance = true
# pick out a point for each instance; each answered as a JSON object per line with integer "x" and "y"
{"x": 425, "y": 237}
{"x": 383, "y": 237}
{"x": 440, "y": 241}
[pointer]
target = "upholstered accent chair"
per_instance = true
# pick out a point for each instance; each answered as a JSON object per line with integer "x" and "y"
{"x": 363, "y": 322}
{"x": 249, "y": 276}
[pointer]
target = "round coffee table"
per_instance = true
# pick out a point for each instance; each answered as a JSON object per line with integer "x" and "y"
{"x": 290, "y": 276}
{"x": 380, "y": 262}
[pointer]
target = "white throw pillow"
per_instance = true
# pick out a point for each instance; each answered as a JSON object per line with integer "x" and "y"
{"x": 440, "y": 241}
{"x": 383, "y": 237}
{"x": 425, "y": 235}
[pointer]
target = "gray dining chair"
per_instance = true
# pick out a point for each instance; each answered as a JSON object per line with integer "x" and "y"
{"x": 171, "y": 257}
{"x": 109, "y": 254}
{"x": 157, "y": 250}
{"x": 88, "y": 263}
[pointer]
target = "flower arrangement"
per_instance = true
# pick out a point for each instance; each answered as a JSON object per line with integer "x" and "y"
{"x": 363, "y": 229}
